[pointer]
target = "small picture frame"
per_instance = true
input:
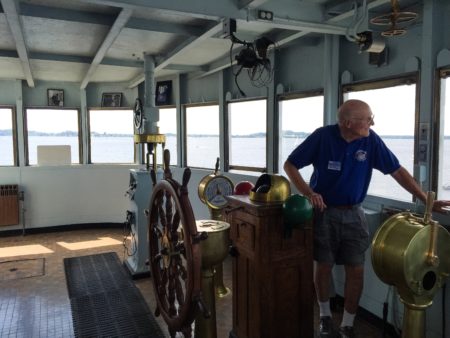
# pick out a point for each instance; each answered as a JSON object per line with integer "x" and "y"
{"x": 55, "y": 97}
{"x": 111, "y": 100}
{"x": 163, "y": 93}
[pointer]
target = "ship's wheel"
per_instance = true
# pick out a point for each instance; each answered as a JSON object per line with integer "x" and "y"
{"x": 138, "y": 112}
{"x": 175, "y": 255}
{"x": 393, "y": 19}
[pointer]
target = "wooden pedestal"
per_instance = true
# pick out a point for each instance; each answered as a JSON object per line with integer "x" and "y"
{"x": 272, "y": 275}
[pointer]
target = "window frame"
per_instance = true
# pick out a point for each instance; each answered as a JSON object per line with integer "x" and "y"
{"x": 442, "y": 73}
{"x": 293, "y": 96}
{"x": 88, "y": 136}
{"x": 14, "y": 135}
{"x": 227, "y": 138}
{"x": 184, "y": 133}
{"x": 177, "y": 135}
{"x": 386, "y": 82}
{"x": 25, "y": 131}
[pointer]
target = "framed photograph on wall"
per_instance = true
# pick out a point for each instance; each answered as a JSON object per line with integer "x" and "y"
{"x": 111, "y": 99}
{"x": 163, "y": 93}
{"x": 55, "y": 97}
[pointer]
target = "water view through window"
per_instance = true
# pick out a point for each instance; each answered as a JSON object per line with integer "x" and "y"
{"x": 112, "y": 134}
{"x": 6, "y": 137}
{"x": 444, "y": 147}
{"x": 52, "y": 127}
{"x": 202, "y": 136}
{"x": 248, "y": 129}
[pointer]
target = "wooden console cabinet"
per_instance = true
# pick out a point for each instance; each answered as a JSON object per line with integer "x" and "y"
{"x": 272, "y": 274}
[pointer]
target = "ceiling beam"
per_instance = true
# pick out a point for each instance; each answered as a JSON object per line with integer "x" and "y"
{"x": 217, "y": 10}
{"x": 71, "y": 15}
{"x": 303, "y": 26}
{"x": 182, "y": 48}
{"x": 211, "y": 10}
{"x": 218, "y": 65}
{"x": 370, "y": 5}
{"x": 78, "y": 59}
{"x": 250, "y": 3}
{"x": 9, "y": 7}
{"x": 186, "y": 68}
{"x": 114, "y": 32}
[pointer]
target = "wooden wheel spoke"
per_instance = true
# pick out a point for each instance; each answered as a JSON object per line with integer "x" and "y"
{"x": 175, "y": 225}
{"x": 157, "y": 232}
{"x": 179, "y": 292}
{"x": 162, "y": 216}
{"x": 171, "y": 296}
{"x": 169, "y": 206}
{"x": 183, "y": 271}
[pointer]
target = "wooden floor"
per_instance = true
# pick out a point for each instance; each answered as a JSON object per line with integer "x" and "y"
{"x": 33, "y": 297}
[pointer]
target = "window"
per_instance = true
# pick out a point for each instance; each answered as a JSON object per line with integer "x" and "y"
{"x": 111, "y": 136}
{"x": 168, "y": 127}
{"x": 7, "y": 154}
{"x": 299, "y": 117}
{"x": 443, "y": 188}
{"x": 248, "y": 128}
{"x": 394, "y": 109}
{"x": 47, "y": 127}
{"x": 202, "y": 136}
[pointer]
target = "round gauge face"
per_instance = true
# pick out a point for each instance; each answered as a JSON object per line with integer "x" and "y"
{"x": 216, "y": 190}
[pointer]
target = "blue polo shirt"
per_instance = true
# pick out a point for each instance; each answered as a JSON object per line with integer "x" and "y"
{"x": 342, "y": 170}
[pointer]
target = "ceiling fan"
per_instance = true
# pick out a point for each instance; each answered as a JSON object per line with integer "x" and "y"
{"x": 393, "y": 19}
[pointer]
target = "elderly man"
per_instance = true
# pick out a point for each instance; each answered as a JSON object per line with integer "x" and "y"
{"x": 343, "y": 156}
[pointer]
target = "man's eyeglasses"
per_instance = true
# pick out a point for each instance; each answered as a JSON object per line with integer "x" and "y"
{"x": 368, "y": 120}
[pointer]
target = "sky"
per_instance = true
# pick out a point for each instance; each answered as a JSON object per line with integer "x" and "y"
{"x": 394, "y": 109}
{"x": 247, "y": 117}
{"x": 310, "y": 108}
{"x": 61, "y": 120}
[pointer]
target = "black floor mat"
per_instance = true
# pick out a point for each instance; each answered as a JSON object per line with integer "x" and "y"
{"x": 104, "y": 300}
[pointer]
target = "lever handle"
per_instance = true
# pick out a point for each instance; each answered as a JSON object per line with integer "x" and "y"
{"x": 432, "y": 259}
{"x": 216, "y": 169}
{"x": 429, "y": 207}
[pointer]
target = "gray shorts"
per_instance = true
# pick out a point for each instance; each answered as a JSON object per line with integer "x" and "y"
{"x": 341, "y": 236}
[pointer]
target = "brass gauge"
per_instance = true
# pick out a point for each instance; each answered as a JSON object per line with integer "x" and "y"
{"x": 213, "y": 189}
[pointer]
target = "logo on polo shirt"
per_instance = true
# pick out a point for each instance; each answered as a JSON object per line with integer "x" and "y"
{"x": 361, "y": 155}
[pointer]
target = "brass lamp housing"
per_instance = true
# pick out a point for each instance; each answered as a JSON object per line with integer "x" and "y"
{"x": 278, "y": 187}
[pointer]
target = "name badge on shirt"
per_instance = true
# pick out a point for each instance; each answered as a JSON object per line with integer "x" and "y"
{"x": 334, "y": 165}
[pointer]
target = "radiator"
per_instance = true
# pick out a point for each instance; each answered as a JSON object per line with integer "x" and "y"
{"x": 9, "y": 204}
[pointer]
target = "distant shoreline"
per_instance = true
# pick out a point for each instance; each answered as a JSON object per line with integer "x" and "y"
{"x": 288, "y": 134}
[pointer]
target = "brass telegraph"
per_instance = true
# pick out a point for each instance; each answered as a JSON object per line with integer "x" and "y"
{"x": 413, "y": 254}
{"x": 213, "y": 190}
